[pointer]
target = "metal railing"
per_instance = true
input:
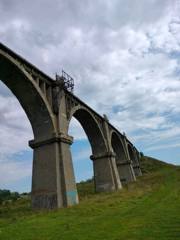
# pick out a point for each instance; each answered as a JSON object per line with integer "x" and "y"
{"x": 66, "y": 80}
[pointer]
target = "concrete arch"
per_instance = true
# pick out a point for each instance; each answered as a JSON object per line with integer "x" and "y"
{"x": 123, "y": 165}
{"x": 37, "y": 109}
{"x": 91, "y": 128}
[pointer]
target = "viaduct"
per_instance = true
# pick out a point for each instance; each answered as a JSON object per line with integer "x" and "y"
{"x": 49, "y": 107}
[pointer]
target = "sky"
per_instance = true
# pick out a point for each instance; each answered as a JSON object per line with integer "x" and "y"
{"x": 125, "y": 58}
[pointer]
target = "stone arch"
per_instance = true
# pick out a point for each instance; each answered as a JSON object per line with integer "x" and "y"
{"x": 92, "y": 129}
{"x": 123, "y": 165}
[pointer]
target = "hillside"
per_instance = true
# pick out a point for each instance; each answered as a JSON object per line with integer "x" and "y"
{"x": 149, "y": 164}
{"x": 148, "y": 209}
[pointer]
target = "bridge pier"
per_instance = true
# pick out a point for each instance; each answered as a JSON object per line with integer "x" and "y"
{"x": 105, "y": 173}
{"x": 53, "y": 181}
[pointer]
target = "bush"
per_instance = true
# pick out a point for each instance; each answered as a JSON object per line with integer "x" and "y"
{"x": 6, "y": 195}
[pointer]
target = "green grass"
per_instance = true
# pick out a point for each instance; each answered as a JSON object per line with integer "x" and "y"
{"x": 148, "y": 209}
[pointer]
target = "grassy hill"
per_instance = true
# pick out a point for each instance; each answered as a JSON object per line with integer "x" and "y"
{"x": 147, "y": 209}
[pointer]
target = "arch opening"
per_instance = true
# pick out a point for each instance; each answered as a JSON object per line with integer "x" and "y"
{"x": 92, "y": 131}
{"x": 82, "y": 165}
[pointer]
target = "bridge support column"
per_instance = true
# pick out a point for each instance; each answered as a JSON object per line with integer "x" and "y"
{"x": 125, "y": 171}
{"x": 105, "y": 173}
{"x": 53, "y": 181}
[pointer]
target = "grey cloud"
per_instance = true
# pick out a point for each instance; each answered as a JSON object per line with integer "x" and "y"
{"x": 57, "y": 16}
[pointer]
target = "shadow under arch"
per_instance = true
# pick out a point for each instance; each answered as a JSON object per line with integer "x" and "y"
{"x": 123, "y": 165}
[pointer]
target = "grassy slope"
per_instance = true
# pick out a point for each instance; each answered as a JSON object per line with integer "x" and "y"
{"x": 148, "y": 209}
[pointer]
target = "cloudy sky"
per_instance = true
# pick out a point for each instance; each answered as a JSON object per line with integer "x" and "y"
{"x": 125, "y": 58}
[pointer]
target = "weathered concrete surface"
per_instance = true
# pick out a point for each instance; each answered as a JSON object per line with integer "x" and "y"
{"x": 50, "y": 108}
{"x": 105, "y": 173}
